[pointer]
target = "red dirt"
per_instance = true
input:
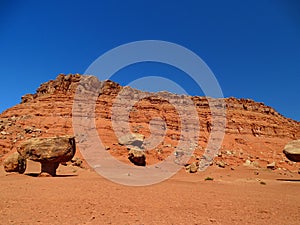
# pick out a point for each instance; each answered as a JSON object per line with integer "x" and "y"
{"x": 84, "y": 197}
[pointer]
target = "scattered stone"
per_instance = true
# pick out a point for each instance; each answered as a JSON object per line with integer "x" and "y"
{"x": 256, "y": 173}
{"x": 50, "y": 152}
{"x": 271, "y": 166}
{"x": 247, "y": 163}
{"x": 137, "y": 157}
{"x": 76, "y": 162}
{"x": 220, "y": 164}
{"x": 292, "y": 151}
{"x": 192, "y": 168}
{"x": 107, "y": 148}
{"x": 28, "y": 130}
{"x": 229, "y": 153}
{"x": 134, "y": 139}
{"x": 31, "y": 130}
{"x": 168, "y": 145}
{"x": 15, "y": 163}
{"x": 13, "y": 118}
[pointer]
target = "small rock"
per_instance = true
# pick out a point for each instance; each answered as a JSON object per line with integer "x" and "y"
{"x": 271, "y": 166}
{"x": 15, "y": 163}
{"x": 137, "y": 157}
{"x": 229, "y": 153}
{"x": 76, "y": 162}
{"x": 179, "y": 153}
{"x": 107, "y": 147}
{"x": 192, "y": 168}
{"x": 13, "y": 118}
{"x": 256, "y": 173}
{"x": 247, "y": 163}
{"x": 220, "y": 164}
{"x": 28, "y": 130}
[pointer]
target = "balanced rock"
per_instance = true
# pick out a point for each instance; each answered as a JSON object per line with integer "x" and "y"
{"x": 137, "y": 156}
{"x": 49, "y": 152}
{"x": 15, "y": 163}
{"x": 292, "y": 151}
{"x": 133, "y": 139}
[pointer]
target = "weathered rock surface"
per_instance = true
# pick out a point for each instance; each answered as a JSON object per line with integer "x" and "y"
{"x": 254, "y": 131}
{"x": 15, "y": 163}
{"x": 137, "y": 157}
{"x": 292, "y": 151}
{"x": 48, "y": 151}
{"x": 134, "y": 139}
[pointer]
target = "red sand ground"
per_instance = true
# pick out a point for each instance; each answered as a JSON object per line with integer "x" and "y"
{"x": 81, "y": 196}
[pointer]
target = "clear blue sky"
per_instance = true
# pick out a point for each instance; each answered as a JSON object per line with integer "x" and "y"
{"x": 253, "y": 47}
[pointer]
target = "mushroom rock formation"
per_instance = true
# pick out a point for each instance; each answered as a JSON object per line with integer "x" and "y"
{"x": 15, "y": 163}
{"x": 292, "y": 150}
{"x": 49, "y": 152}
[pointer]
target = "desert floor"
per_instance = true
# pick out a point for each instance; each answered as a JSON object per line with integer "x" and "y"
{"x": 81, "y": 196}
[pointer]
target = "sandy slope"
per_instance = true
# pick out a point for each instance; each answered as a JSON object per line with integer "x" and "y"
{"x": 81, "y": 196}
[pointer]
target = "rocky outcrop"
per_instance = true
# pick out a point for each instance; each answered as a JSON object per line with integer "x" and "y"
{"x": 15, "y": 163}
{"x": 254, "y": 131}
{"x": 50, "y": 152}
{"x": 292, "y": 151}
{"x": 62, "y": 84}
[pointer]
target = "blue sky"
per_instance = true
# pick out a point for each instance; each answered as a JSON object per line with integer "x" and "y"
{"x": 253, "y": 47}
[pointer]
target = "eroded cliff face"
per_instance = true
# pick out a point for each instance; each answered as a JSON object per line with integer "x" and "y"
{"x": 253, "y": 131}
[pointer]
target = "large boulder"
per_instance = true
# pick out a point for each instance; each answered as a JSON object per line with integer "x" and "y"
{"x": 133, "y": 139}
{"x": 50, "y": 152}
{"x": 137, "y": 157}
{"x": 292, "y": 151}
{"x": 15, "y": 163}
